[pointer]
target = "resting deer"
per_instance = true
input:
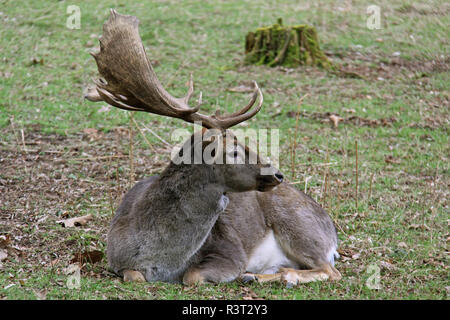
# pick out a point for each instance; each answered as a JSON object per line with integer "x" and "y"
{"x": 206, "y": 222}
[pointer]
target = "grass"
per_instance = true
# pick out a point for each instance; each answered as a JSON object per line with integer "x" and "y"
{"x": 402, "y": 227}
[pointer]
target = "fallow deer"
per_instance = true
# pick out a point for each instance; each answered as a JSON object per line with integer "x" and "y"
{"x": 207, "y": 222}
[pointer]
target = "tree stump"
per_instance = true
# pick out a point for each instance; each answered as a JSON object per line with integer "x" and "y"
{"x": 291, "y": 46}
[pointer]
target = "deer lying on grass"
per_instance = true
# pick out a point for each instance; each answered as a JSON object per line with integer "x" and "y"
{"x": 206, "y": 222}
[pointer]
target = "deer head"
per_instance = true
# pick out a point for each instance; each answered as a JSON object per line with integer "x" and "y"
{"x": 129, "y": 82}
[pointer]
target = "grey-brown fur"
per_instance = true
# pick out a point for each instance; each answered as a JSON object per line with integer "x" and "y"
{"x": 303, "y": 229}
{"x": 163, "y": 221}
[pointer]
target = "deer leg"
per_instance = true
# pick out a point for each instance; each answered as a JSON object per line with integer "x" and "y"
{"x": 219, "y": 269}
{"x": 261, "y": 278}
{"x": 293, "y": 277}
{"x": 133, "y": 276}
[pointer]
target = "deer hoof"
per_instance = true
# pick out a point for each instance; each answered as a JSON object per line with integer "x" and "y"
{"x": 133, "y": 276}
{"x": 248, "y": 277}
{"x": 193, "y": 277}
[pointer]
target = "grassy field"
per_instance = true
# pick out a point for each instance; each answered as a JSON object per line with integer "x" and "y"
{"x": 62, "y": 156}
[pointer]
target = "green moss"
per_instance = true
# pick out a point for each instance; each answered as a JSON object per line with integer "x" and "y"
{"x": 288, "y": 46}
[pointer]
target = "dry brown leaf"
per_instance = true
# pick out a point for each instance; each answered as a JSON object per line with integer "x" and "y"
{"x": 419, "y": 226}
{"x": 356, "y": 256}
{"x": 92, "y": 133}
{"x": 391, "y": 159}
{"x": 87, "y": 257}
{"x": 387, "y": 265}
{"x": 3, "y": 254}
{"x": 335, "y": 120}
{"x": 402, "y": 245}
{"x": 75, "y": 222}
{"x": 5, "y": 240}
{"x": 41, "y": 294}
{"x": 250, "y": 295}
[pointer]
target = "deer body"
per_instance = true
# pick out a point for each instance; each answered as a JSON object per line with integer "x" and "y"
{"x": 205, "y": 221}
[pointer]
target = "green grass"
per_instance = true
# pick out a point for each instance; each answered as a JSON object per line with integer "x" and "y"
{"x": 207, "y": 38}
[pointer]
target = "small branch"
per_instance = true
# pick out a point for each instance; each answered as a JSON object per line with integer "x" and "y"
{"x": 370, "y": 187}
{"x": 97, "y": 158}
{"x": 356, "y": 187}
{"x": 23, "y": 140}
{"x": 143, "y": 135}
{"x": 325, "y": 178}
{"x": 154, "y": 133}
{"x": 110, "y": 192}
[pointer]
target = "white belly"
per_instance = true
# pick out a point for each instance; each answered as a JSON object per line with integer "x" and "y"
{"x": 268, "y": 257}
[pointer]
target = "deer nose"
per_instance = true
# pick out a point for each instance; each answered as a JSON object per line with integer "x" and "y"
{"x": 279, "y": 176}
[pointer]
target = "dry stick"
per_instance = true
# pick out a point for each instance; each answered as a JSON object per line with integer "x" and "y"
{"x": 295, "y": 135}
{"x": 325, "y": 178}
{"x": 143, "y": 135}
{"x": 131, "y": 150}
{"x": 356, "y": 189}
{"x": 154, "y": 133}
{"x": 97, "y": 158}
{"x": 23, "y": 141}
{"x": 291, "y": 151}
{"x": 370, "y": 186}
{"x": 110, "y": 192}
{"x": 11, "y": 120}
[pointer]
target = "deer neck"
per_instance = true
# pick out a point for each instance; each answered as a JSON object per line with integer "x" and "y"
{"x": 193, "y": 184}
{"x": 192, "y": 197}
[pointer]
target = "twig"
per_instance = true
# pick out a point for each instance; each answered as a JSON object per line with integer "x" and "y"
{"x": 110, "y": 192}
{"x": 325, "y": 179}
{"x": 143, "y": 135}
{"x": 370, "y": 187}
{"x": 98, "y": 158}
{"x": 356, "y": 187}
{"x": 154, "y": 133}
{"x": 11, "y": 120}
{"x": 23, "y": 140}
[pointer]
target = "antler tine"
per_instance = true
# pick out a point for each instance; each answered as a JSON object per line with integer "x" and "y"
{"x": 243, "y": 114}
{"x": 190, "y": 90}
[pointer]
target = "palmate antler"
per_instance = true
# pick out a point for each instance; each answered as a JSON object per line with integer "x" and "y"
{"x": 130, "y": 83}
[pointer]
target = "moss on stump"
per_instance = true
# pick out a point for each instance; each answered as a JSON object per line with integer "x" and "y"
{"x": 285, "y": 46}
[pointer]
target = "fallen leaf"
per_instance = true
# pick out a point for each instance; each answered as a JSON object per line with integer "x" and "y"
{"x": 75, "y": 222}
{"x": 387, "y": 265}
{"x": 356, "y": 256}
{"x": 35, "y": 61}
{"x": 87, "y": 257}
{"x": 71, "y": 268}
{"x": 41, "y": 294}
{"x": 5, "y": 240}
{"x": 249, "y": 294}
{"x": 419, "y": 226}
{"x": 391, "y": 159}
{"x": 92, "y": 133}
{"x": 3, "y": 254}
{"x": 335, "y": 119}
{"x": 402, "y": 245}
